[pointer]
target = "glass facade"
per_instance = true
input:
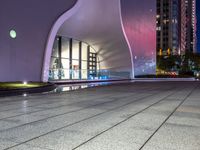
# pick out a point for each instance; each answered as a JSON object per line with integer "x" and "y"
{"x": 72, "y": 60}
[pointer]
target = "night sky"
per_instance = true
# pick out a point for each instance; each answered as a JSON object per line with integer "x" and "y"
{"x": 198, "y": 25}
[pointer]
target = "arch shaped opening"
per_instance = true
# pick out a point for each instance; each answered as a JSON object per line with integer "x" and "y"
{"x": 113, "y": 55}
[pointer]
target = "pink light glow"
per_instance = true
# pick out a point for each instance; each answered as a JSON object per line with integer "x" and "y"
{"x": 139, "y": 20}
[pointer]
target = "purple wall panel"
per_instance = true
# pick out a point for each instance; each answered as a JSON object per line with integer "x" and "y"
{"x": 22, "y": 58}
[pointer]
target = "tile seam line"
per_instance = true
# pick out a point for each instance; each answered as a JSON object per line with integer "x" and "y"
{"x": 43, "y": 109}
{"x": 34, "y": 101}
{"x": 73, "y": 111}
{"x": 168, "y": 117}
{"x": 130, "y": 117}
{"x": 38, "y": 100}
{"x": 117, "y": 99}
{"x": 80, "y": 121}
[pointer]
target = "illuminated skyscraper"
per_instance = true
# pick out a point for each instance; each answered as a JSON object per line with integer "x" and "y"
{"x": 183, "y": 27}
{"x": 176, "y": 27}
{"x": 167, "y": 27}
{"x": 190, "y": 25}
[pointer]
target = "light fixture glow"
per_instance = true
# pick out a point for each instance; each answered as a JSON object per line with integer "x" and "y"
{"x": 25, "y": 82}
{"x": 25, "y": 95}
{"x": 13, "y": 34}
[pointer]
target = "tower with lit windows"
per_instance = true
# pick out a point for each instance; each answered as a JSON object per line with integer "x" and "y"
{"x": 176, "y": 27}
{"x": 167, "y": 27}
{"x": 190, "y": 25}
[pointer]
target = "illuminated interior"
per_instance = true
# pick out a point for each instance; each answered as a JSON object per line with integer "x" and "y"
{"x": 73, "y": 60}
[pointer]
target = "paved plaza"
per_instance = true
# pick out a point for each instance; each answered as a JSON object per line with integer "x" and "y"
{"x": 125, "y": 116}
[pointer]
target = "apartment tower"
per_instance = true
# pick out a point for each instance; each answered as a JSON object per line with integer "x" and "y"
{"x": 176, "y": 27}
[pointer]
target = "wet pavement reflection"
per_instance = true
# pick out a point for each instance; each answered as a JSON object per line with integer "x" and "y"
{"x": 71, "y": 87}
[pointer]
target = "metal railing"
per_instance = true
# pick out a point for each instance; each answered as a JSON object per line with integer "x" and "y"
{"x": 84, "y": 74}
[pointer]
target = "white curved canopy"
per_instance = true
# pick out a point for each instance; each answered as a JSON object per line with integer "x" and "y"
{"x": 116, "y": 40}
{"x": 98, "y": 22}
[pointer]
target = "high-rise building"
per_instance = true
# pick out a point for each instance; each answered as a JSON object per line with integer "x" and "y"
{"x": 167, "y": 27}
{"x": 183, "y": 21}
{"x": 176, "y": 27}
{"x": 190, "y": 26}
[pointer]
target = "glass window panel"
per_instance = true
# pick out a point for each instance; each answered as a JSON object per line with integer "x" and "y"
{"x": 84, "y": 74}
{"x": 84, "y": 71}
{"x": 75, "y": 50}
{"x": 54, "y": 63}
{"x": 65, "y": 74}
{"x": 75, "y": 69}
{"x": 54, "y": 74}
{"x": 55, "y": 48}
{"x": 51, "y": 75}
{"x": 75, "y": 64}
{"x": 84, "y": 51}
{"x": 84, "y": 65}
{"x": 98, "y": 66}
{"x": 65, "y": 63}
{"x": 65, "y": 48}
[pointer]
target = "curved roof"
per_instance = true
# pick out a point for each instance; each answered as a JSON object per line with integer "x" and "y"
{"x": 98, "y": 22}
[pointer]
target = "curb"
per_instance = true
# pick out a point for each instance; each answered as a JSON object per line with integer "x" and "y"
{"x": 91, "y": 81}
{"x": 16, "y": 92}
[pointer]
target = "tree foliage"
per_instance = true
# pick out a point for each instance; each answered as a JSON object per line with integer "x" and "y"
{"x": 183, "y": 63}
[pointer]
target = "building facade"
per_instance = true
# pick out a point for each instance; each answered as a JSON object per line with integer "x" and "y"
{"x": 176, "y": 27}
{"x": 190, "y": 26}
{"x": 167, "y": 27}
{"x": 76, "y": 39}
{"x": 183, "y": 23}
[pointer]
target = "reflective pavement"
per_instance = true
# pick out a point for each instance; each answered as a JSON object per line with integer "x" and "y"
{"x": 121, "y": 116}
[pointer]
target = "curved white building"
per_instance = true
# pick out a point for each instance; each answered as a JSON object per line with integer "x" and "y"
{"x": 77, "y": 39}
